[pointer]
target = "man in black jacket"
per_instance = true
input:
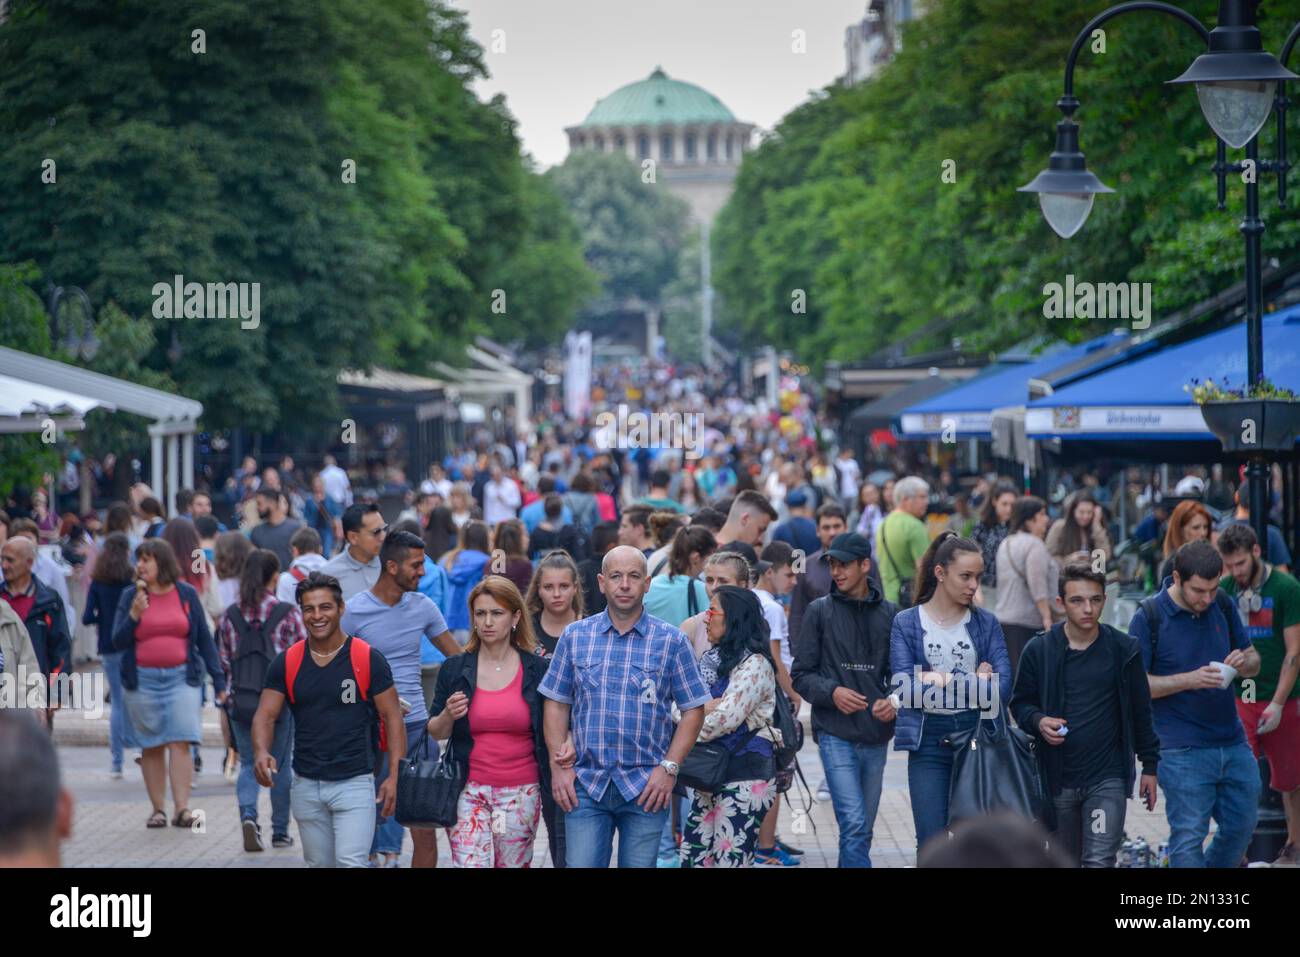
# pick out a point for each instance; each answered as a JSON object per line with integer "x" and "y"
{"x": 841, "y": 666}
{"x": 1082, "y": 690}
{"x": 40, "y": 608}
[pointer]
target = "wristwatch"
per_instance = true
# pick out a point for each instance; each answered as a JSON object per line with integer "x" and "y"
{"x": 672, "y": 767}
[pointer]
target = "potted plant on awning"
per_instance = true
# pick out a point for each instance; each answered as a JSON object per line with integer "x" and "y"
{"x": 1262, "y": 418}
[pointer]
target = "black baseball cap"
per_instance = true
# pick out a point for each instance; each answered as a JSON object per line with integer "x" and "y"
{"x": 849, "y": 547}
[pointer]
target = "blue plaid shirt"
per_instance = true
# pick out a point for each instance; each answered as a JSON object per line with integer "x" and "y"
{"x": 620, "y": 686}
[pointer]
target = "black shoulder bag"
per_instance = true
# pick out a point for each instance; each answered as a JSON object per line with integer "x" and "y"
{"x": 428, "y": 791}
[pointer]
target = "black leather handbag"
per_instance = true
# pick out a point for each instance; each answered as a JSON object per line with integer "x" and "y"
{"x": 428, "y": 791}
{"x": 995, "y": 768}
{"x": 705, "y": 768}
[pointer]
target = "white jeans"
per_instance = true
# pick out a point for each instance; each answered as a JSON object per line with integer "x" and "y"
{"x": 336, "y": 820}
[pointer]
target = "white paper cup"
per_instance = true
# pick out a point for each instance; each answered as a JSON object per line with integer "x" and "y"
{"x": 1226, "y": 673}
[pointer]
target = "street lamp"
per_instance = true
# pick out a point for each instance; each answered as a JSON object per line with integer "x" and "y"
{"x": 80, "y": 340}
{"x": 1237, "y": 83}
{"x": 1236, "y": 79}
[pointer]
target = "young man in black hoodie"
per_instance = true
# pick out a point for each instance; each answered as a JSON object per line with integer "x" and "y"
{"x": 1082, "y": 691}
{"x": 841, "y": 666}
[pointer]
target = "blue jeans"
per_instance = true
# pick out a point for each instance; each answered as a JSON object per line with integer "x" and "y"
{"x": 336, "y": 819}
{"x": 589, "y": 830}
{"x": 1089, "y": 838}
{"x": 1200, "y": 783}
{"x": 668, "y": 842}
{"x": 246, "y": 786}
{"x": 388, "y": 833}
{"x": 854, "y": 776}
{"x": 929, "y": 773}
{"x": 117, "y": 713}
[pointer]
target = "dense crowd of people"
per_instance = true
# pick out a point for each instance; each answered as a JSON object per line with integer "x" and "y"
{"x": 585, "y": 625}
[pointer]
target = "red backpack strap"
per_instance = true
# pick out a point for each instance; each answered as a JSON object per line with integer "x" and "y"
{"x": 292, "y": 662}
{"x": 297, "y": 573}
{"x": 360, "y": 652}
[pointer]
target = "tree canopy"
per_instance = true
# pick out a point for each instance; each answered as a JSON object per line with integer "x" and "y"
{"x": 846, "y": 200}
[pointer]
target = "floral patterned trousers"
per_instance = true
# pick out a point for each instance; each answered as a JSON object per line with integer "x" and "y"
{"x": 495, "y": 827}
{"x": 722, "y": 828}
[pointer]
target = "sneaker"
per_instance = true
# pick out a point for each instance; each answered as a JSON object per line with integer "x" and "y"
{"x": 115, "y": 774}
{"x": 668, "y": 862}
{"x": 792, "y": 851}
{"x": 282, "y": 840}
{"x": 774, "y": 857}
{"x": 1289, "y": 857}
{"x": 253, "y": 837}
{"x": 823, "y": 792}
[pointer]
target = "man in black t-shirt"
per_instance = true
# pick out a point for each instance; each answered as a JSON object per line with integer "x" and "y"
{"x": 1082, "y": 690}
{"x": 334, "y": 732}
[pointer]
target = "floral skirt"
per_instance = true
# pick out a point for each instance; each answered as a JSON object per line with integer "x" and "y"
{"x": 722, "y": 828}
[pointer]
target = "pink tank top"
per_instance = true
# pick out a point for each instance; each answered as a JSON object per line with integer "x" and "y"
{"x": 162, "y": 635}
{"x": 502, "y": 729}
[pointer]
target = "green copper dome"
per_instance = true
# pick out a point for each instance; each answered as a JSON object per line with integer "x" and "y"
{"x": 656, "y": 100}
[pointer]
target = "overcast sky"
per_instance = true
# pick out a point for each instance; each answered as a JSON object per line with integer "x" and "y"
{"x": 562, "y": 55}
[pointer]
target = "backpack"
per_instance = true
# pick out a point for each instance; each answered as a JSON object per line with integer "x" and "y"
{"x": 784, "y": 721}
{"x": 297, "y": 573}
{"x": 360, "y": 655}
{"x": 1151, "y": 609}
{"x": 254, "y": 653}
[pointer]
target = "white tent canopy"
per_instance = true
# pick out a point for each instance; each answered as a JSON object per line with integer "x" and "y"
{"x": 33, "y": 383}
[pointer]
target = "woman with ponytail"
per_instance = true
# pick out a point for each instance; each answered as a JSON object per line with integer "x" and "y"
{"x": 947, "y": 656}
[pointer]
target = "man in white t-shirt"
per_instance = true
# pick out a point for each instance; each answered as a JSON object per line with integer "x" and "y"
{"x": 776, "y": 577}
{"x": 850, "y": 478}
{"x": 501, "y": 498}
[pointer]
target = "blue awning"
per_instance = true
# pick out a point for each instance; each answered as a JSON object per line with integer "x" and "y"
{"x": 1143, "y": 398}
{"x": 967, "y": 410}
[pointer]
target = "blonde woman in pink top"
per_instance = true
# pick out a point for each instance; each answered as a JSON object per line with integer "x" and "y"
{"x": 487, "y": 703}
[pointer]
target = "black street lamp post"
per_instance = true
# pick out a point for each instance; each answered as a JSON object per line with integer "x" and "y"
{"x": 1238, "y": 83}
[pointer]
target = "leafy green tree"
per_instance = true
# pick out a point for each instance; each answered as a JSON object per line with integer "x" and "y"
{"x": 632, "y": 232}
{"x": 848, "y": 201}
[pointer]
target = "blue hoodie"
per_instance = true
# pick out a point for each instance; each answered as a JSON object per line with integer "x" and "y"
{"x": 465, "y": 574}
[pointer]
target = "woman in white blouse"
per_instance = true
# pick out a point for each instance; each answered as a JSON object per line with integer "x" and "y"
{"x": 722, "y": 827}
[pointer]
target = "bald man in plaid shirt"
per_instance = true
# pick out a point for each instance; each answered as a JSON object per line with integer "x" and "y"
{"x": 616, "y": 675}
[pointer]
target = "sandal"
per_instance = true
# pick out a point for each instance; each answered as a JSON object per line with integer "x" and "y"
{"x": 183, "y": 818}
{"x": 156, "y": 819}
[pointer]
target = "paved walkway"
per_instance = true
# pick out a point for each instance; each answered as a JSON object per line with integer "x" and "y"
{"x": 109, "y": 826}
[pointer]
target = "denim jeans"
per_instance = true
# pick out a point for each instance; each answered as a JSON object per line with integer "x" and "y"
{"x": 589, "y": 830}
{"x": 1090, "y": 822}
{"x": 929, "y": 773}
{"x": 246, "y": 786}
{"x": 1204, "y": 783}
{"x": 854, "y": 776}
{"x": 668, "y": 841}
{"x": 117, "y": 713}
{"x": 336, "y": 819}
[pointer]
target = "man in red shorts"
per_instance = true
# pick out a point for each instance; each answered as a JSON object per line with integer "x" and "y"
{"x": 1269, "y": 704}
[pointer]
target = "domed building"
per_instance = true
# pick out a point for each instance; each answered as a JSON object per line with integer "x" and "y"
{"x": 696, "y": 142}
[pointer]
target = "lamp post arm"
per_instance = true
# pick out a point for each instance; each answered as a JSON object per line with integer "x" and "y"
{"x": 1115, "y": 11}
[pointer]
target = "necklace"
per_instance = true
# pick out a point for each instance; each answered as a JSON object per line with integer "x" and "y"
{"x": 325, "y": 655}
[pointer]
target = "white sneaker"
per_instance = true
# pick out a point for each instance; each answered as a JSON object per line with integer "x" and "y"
{"x": 823, "y": 792}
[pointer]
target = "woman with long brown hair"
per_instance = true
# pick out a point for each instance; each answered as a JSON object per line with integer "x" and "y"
{"x": 1190, "y": 522}
{"x": 511, "y": 539}
{"x": 554, "y": 601}
{"x": 487, "y": 703}
{"x": 163, "y": 630}
{"x": 111, "y": 576}
{"x": 1080, "y": 533}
